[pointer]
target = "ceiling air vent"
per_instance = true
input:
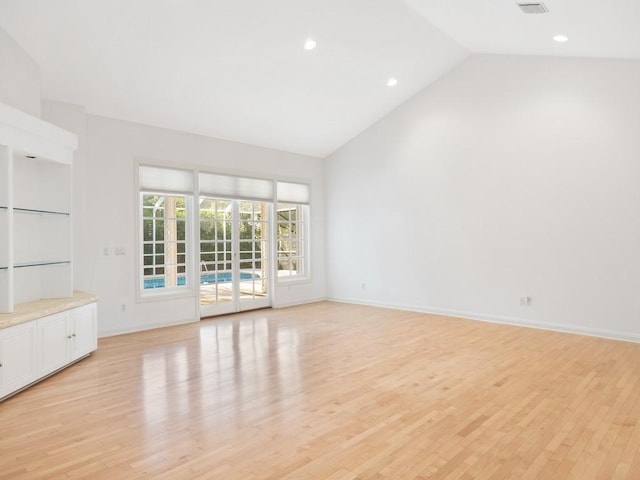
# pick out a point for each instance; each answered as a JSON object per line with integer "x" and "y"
{"x": 535, "y": 8}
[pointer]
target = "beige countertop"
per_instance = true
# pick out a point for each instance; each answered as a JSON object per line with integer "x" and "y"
{"x": 25, "y": 312}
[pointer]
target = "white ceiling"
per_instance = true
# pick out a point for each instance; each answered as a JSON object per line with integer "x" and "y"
{"x": 237, "y": 69}
{"x": 596, "y": 28}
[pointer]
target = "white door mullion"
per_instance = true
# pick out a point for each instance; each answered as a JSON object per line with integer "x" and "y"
{"x": 235, "y": 255}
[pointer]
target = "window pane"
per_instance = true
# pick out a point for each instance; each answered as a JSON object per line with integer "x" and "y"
{"x": 164, "y": 225}
{"x": 290, "y": 239}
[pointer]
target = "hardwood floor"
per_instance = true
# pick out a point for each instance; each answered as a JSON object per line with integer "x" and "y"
{"x": 333, "y": 392}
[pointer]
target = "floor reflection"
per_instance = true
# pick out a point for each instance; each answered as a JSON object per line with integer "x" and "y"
{"x": 239, "y": 370}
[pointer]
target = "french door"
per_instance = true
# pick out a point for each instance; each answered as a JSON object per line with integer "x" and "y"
{"x": 234, "y": 256}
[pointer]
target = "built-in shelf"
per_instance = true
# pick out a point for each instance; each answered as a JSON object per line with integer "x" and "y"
{"x": 40, "y": 212}
{"x": 35, "y": 204}
{"x": 40, "y": 264}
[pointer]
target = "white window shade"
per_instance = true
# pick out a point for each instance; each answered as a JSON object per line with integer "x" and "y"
{"x": 165, "y": 179}
{"x": 227, "y": 186}
{"x": 293, "y": 193}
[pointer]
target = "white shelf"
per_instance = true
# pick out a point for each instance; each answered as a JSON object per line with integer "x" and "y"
{"x": 43, "y": 238}
{"x": 41, "y": 264}
{"x": 32, "y": 211}
{"x": 35, "y": 209}
{"x": 37, "y": 281}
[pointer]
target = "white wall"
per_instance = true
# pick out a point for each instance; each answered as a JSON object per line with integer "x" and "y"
{"x": 105, "y": 200}
{"x": 73, "y": 118}
{"x": 510, "y": 176}
{"x": 19, "y": 77}
{"x": 110, "y": 214}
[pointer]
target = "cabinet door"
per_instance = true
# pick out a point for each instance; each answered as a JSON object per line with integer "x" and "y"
{"x": 55, "y": 342}
{"x": 17, "y": 357}
{"x": 84, "y": 330}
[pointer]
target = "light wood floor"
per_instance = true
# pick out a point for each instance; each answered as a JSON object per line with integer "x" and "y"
{"x": 330, "y": 391}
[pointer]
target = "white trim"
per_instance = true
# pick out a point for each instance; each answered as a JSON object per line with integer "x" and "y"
{"x": 305, "y": 276}
{"x": 189, "y": 289}
{"x": 145, "y": 326}
{"x": 193, "y": 230}
{"x": 503, "y": 320}
{"x": 302, "y": 302}
{"x": 33, "y": 136}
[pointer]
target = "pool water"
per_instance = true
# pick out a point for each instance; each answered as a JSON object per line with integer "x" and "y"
{"x": 204, "y": 279}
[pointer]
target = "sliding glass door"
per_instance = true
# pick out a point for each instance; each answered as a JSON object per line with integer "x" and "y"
{"x": 234, "y": 255}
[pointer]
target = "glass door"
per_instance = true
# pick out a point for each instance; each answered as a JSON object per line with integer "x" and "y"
{"x": 253, "y": 264}
{"x": 234, "y": 263}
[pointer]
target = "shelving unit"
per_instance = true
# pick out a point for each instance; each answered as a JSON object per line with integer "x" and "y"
{"x": 35, "y": 209}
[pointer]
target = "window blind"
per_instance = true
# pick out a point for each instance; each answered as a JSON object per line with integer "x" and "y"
{"x": 228, "y": 186}
{"x": 165, "y": 179}
{"x": 293, "y": 192}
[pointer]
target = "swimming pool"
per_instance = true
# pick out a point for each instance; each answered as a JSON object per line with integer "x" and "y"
{"x": 205, "y": 279}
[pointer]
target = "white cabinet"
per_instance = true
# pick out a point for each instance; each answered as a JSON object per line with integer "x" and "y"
{"x": 53, "y": 343}
{"x": 84, "y": 331}
{"x": 17, "y": 357}
{"x": 41, "y": 345}
{"x": 66, "y": 337}
{"x": 35, "y": 209}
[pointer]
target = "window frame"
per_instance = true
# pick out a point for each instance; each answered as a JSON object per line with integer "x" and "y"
{"x": 154, "y": 180}
{"x": 303, "y": 252}
{"x": 188, "y": 289}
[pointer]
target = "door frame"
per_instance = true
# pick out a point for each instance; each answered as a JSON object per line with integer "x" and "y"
{"x": 237, "y": 303}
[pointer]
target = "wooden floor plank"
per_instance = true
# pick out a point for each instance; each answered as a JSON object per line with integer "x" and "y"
{"x": 333, "y": 391}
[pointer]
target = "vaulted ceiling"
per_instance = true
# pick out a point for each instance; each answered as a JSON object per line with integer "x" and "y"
{"x": 239, "y": 70}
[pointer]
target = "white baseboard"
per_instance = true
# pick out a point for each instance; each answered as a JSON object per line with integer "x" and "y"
{"x": 299, "y": 302}
{"x": 151, "y": 325}
{"x": 519, "y": 322}
{"x": 143, "y": 327}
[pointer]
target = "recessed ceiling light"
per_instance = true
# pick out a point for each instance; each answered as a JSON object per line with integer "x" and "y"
{"x": 310, "y": 44}
{"x": 392, "y": 82}
{"x": 561, "y": 38}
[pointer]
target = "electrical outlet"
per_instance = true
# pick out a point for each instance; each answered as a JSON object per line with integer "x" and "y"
{"x": 364, "y": 285}
{"x": 123, "y": 307}
{"x": 525, "y": 301}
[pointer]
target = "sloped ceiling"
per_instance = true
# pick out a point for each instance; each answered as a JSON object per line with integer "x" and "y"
{"x": 595, "y": 28}
{"x": 238, "y": 70}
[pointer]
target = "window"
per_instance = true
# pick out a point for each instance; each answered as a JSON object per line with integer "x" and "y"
{"x": 164, "y": 241}
{"x": 209, "y": 233}
{"x": 291, "y": 225}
